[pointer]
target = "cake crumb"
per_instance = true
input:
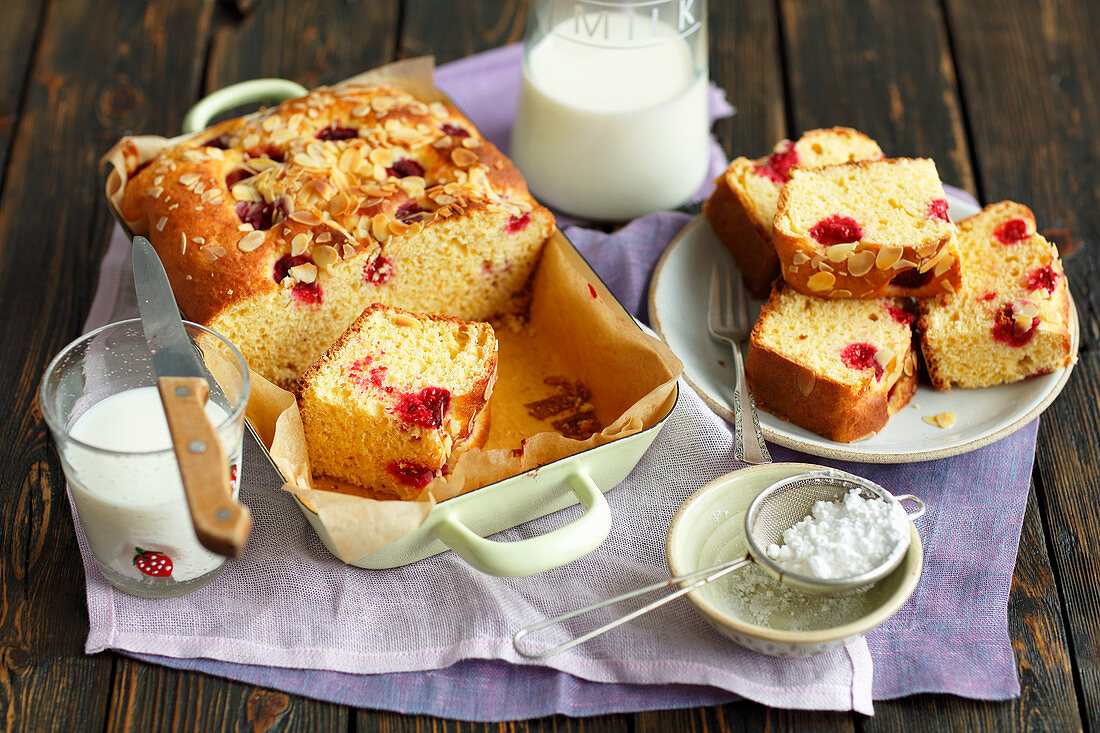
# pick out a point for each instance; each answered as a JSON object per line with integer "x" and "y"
{"x": 577, "y": 419}
{"x": 579, "y": 426}
{"x": 944, "y": 419}
{"x": 568, "y": 397}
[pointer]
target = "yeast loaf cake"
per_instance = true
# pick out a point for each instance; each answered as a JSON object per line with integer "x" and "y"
{"x": 838, "y": 367}
{"x": 869, "y": 229}
{"x": 278, "y": 229}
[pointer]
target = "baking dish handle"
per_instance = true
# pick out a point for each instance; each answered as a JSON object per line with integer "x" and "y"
{"x": 538, "y": 554}
{"x": 238, "y": 95}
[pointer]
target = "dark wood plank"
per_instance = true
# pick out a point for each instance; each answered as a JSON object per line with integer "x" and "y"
{"x": 460, "y": 28}
{"x": 18, "y": 34}
{"x": 1029, "y": 73}
{"x": 450, "y": 31}
{"x": 1047, "y": 696}
{"x": 98, "y": 71}
{"x": 1069, "y": 483}
{"x": 745, "y": 61}
{"x": 891, "y": 74}
{"x": 882, "y": 67}
{"x": 1036, "y": 626}
{"x": 742, "y": 716}
{"x": 1029, "y": 70}
{"x": 149, "y": 697}
{"x": 394, "y": 723}
{"x": 316, "y": 42}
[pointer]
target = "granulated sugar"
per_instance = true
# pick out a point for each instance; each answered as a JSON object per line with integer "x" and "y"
{"x": 841, "y": 539}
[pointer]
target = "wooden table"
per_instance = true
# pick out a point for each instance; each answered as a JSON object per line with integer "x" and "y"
{"x": 1002, "y": 93}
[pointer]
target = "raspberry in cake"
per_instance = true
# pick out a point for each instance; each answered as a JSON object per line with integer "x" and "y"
{"x": 397, "y": 399}
{"x": 1010, "y": 320}
{"x": 867, "y": 229}
{"x": 838, "y": 367}
{"x": 745, "y": 197}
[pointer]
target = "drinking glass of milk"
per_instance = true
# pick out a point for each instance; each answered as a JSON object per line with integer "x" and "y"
{"x": 612, "y": 119}
{"x": 100, "y": 400}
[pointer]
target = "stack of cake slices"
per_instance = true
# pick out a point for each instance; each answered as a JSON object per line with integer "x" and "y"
{"x": 860, "y": 252}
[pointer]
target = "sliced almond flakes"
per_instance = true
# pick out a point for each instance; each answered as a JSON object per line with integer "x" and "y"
{"x": 463, "y": 158}
{"x": 944, "y": 419}
{"x": 299, "y": 244}
{"x": 251, "y": 241}
{"x": 325, "y": 256}
{"x": 821, "y": 281}
{"x": 304, "y": 273}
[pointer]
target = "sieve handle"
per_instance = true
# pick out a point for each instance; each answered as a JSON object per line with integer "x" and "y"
{"x": 696, "y": 579}
{"x": 921, "y": 508}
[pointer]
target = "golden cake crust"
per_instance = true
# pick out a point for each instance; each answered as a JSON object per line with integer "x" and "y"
{"x": 872, "y": 265}
{"x": 805, "y": 394}
{"x": 729, "y": 211}
{"x": 335, "y": 191}
{"x": 742, "y": 221}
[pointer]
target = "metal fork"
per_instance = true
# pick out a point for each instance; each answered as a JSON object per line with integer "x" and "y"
{"x": 728, "y": 321}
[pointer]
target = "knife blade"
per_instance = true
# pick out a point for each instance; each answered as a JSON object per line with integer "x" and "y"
{"x": 221, "y": 523}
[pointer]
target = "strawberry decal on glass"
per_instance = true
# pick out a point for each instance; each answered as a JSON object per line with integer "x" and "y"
{"x": 151, "y": 563}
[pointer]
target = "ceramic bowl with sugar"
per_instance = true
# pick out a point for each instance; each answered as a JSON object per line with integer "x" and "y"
{"x": 750, "y": 606}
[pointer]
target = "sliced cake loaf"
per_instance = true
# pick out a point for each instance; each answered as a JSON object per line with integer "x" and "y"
{"x": 837, "y": 367}
{"x": 868, "y": 229}
{"x": 397, "y": 398}
{"x": 1010, "y": 320}
{"x": 278, "y": 229}
{"x": 745, "y": 197}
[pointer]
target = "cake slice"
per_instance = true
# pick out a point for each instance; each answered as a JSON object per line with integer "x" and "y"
{"x": 1010, "y": 320}
{"x": 837, "y": 367}
{"x": 392, "y": 404}
{"x": 745, "y": 197}
{"x": 869, "y": 229}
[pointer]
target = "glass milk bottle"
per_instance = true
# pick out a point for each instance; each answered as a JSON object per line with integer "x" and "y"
{"x": 612, "y": 120}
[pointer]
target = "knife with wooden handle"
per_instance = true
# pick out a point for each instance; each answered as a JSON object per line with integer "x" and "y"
{"x": 221, "y": 522}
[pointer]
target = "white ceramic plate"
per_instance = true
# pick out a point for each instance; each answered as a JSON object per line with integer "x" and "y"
{"x": 678, "y": 309}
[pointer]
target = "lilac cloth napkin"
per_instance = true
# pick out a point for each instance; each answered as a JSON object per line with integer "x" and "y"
{"x": 951, "y": 636}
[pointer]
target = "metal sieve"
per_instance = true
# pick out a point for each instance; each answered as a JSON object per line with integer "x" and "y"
{"x": 773, "y": 511}
{"x": 787, "y": 502}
